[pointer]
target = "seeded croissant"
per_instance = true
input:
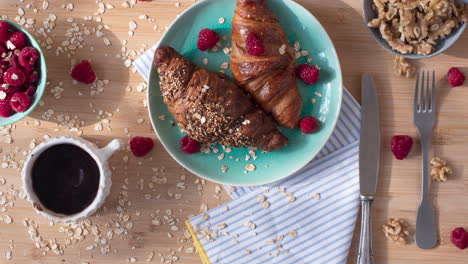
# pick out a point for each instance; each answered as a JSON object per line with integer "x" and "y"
{"x": 211, "y": 108}
{"x": 269, "y": 77}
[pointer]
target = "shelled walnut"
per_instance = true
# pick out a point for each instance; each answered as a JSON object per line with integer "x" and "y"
{"x": 403, "y": 67}
{"x": 395, "y": 229}
{"x": 414, "y": 26}
{"x": 440, "y": 169}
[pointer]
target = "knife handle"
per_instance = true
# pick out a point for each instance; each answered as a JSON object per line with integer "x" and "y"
{"x": 366, "y": 254}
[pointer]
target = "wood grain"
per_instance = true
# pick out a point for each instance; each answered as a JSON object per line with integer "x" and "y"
{"x": 399, "y": 184}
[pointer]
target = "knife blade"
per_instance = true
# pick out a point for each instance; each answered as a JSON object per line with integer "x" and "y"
{"x": 369, "y": 146}
{"x": 369, "y": 154}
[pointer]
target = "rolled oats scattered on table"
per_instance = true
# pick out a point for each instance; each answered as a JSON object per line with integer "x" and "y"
{"x": 414, "y": 26}
{"x": 396, "y": 230}
{"x": 439, "y": 169}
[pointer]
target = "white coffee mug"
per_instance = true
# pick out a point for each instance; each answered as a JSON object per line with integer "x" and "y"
{"x": 100, "y": 156}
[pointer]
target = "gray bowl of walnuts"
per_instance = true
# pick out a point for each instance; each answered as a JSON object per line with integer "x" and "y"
{"x": 415, "y": 29}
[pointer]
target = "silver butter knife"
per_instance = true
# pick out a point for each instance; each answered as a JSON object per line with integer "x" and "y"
{"x": 369, "y": 154}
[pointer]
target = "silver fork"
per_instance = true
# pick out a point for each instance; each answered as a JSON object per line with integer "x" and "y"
{"x": 424, "y": 119}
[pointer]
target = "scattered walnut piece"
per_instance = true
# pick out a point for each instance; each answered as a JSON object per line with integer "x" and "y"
{"x": 403, "y": 67}
{"x": 440, "y": 169}
{"x": 395, "y": 229}
{"x": 414, "y": 26}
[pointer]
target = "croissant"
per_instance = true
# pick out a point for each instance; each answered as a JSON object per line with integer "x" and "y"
{"x": 211, "y": 108}
{"x": 270, "y": 77}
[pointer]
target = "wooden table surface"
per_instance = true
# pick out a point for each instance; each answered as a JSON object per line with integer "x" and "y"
{"x": 113, "y": 112}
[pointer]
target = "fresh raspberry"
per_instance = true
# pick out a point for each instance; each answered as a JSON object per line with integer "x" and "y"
{"x": 207, "y": 39}
{"x": 14, "y": 62}
{"x": 28, "y": 56}
{"x": 459, "y": 238}
{"x": 4, "y": 34}
{"x": 17, "y": 40}
{"x": 254, "y": 45}
{"x": 29, "y": 69}
{"x": 455, "y": 77}
{"x": 10, "y": 90}
{"x": 30, "y": 89}
{"x": 14, "y": 76}
{"x": 32, "y": 77}
{"x": 2, "y": 53}
{"x": 5, "y": 107}
{"x": 309, "y": 125}
{"x": 189, "y": 145}
{"x": 4, "y": 64}
{"x": 83, "y": 72}
{"x": 308, "y": 73}
{"x": 401, "y": 146}
{"x": 140, "y": 146}
{"x": 20, "y": 102}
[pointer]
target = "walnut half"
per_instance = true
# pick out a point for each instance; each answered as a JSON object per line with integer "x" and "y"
{"x": 403, "y": 67}
{"x": 395, "y": 229}
{"x": 440, "y": 169}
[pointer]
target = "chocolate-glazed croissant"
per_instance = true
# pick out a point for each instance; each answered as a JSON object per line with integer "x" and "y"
{"x": 211, "y": 108}
{"x": 269, "y": 77}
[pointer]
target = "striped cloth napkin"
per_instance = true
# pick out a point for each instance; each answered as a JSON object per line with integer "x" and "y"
{"x": 262, "y": 225}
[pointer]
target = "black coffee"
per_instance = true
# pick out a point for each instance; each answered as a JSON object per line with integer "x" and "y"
{"x": 65, "y": 179}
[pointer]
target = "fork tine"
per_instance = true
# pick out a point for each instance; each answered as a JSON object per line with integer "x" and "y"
{"x": 422, "y": 107}
{"x": 416, "y": 93}
{"x": 433, "y": 103}
{"x": 426, "y": 95}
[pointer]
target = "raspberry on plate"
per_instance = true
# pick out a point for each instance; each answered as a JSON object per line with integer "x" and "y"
{"x": 189, "y": 145}
{"x": 14, "y": 76}
{"x": 18, "y": 40}
{"x": 459, "y": 238}
{"x": 5, "y": 106}
{"x": 28, "y": 56}
{"x": 308, "y": 73}
{"x": 207, "y": 39}
{"x": 401, "y": 146}
{"x": 20, "y": 102}
{"x": 140, "y": 146}
{"x": 4, "y": 34}
{"x": 455, "y": 77}
{"x": 254, "y": 45}
{"x": 83, "y": 72}
{"x": 309, "y": 125}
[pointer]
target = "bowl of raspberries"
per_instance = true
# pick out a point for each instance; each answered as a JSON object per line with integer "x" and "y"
{"x": 23, "y": 73}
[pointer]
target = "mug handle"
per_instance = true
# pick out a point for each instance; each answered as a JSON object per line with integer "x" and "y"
{"x": 108, "y": 150}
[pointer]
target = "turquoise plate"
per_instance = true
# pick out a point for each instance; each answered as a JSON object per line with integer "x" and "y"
{"x": 300, "y": 26}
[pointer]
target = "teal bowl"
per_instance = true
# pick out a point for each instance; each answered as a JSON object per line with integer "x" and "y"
{"x": 301, "y": 26}
{"x": 41, "y": 83}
